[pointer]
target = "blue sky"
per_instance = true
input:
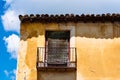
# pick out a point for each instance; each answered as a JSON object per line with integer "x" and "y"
{"x": 10, "y": 24}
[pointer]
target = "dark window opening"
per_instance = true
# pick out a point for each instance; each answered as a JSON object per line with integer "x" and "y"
{"x": 57, "y": 48}
{"x": 58, "y": 35}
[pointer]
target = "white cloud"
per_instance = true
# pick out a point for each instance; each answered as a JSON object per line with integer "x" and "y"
{"x": 17, "y": 7}
{"x": 66, "y": 6}
{"x": 8, "y": 2}
{"x": 12, "y": 77}
{"x": 10, "y": 74}
{"x": 6, "y": 73}
{"x": 14, "y": 71}
{"x": 14, "y": 74}
{"x": 12, "y": 43}
{"x": 10, "y": 21}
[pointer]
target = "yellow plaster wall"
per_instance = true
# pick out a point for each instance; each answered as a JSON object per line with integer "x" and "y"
{"x": 56, "y": 75}
{"x": 97, "y": 45}
{"x": 31, "y": 38}
{"x": 98, "y": 59}
{"x": 98, "y": 51}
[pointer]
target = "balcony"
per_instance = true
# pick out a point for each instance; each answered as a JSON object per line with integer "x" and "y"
{"x": 56, "y": 58}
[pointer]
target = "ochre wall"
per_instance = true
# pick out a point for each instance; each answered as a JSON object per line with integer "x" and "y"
{"x": 31, "y": 38}
{"x": 97, "y": 45}
{"x": 98, "y": 59}
{"x": 56, "y": 75}
{"x": 98, "y": 51}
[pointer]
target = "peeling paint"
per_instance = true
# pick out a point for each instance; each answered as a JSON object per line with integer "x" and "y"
{"x": 97, "y": 45}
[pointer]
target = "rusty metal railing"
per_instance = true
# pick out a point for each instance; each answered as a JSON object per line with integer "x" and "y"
{"x": 56, "y": 57}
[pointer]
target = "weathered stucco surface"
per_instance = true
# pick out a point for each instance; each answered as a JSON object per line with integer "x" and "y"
{"x": 97, "y": 45}
{"x": 56, "y": 75}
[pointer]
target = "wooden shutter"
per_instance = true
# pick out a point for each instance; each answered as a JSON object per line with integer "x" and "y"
{"x": 57, "y": 51}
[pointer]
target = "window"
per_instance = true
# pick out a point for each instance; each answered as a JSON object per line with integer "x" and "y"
{"x": 57, "y": 48}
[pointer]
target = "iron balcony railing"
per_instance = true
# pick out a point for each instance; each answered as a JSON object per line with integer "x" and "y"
{"x": 56, "y": 57}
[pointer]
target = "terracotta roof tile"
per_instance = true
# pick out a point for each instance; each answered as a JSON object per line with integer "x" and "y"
{"x": 45, "y": 18}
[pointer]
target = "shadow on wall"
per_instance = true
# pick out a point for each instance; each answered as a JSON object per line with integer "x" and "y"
{"x": 98, "y": 30}
{"x": 88, "y": 30}
{"x": 30, "y": 30}
{"x": 99, "y": 54}
{"x": 29, "y": 35}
